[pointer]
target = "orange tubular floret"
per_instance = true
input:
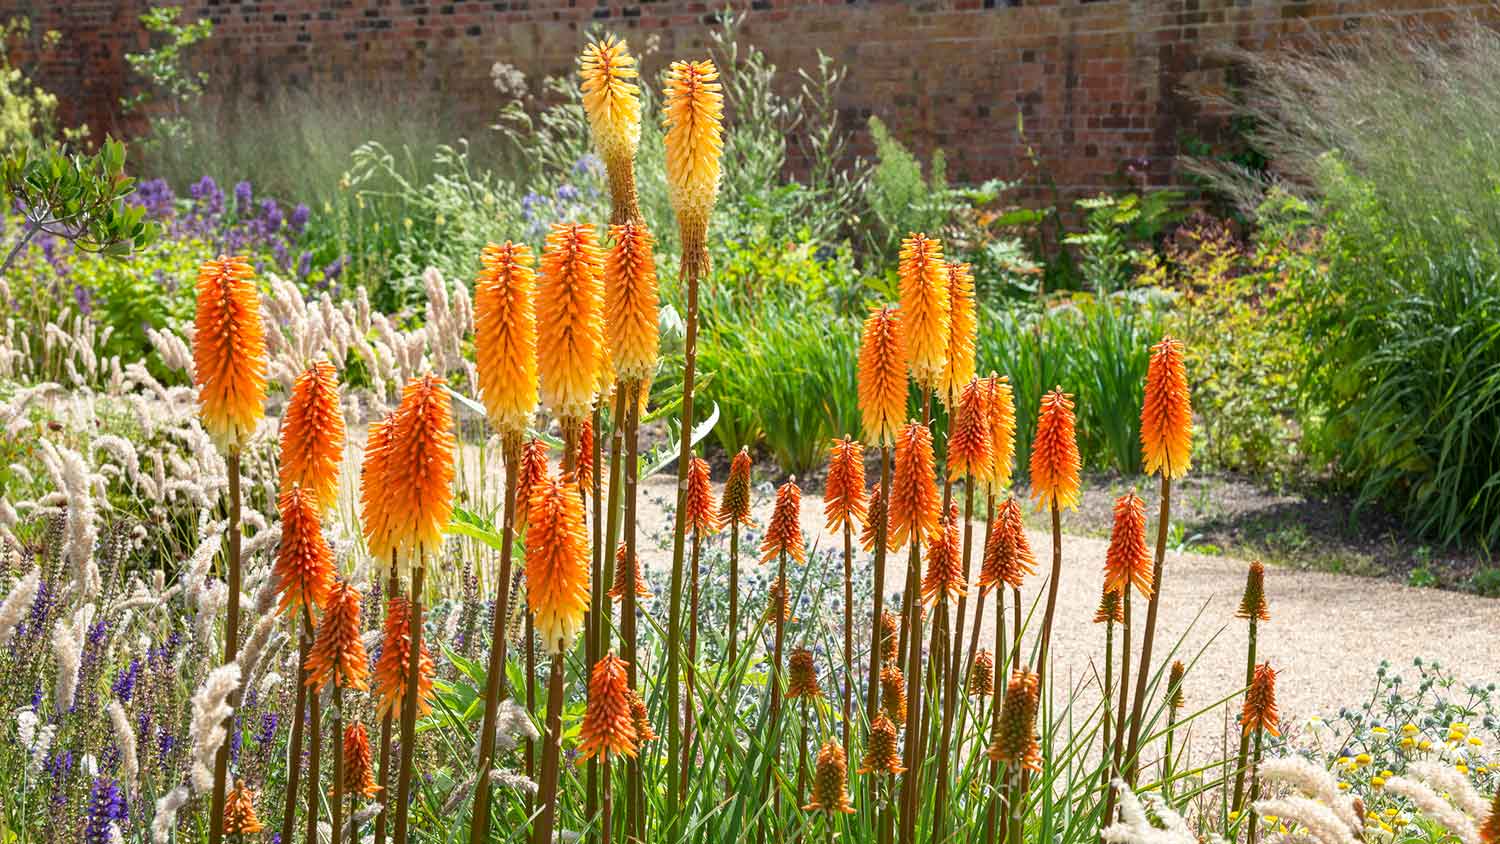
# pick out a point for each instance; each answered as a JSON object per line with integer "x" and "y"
{"x": 882, "y": 376}
{"x": 338, "y": 652}
{"x": 630, "y": 302}
{"x": 1128, "y": 561}
{"x": 963, "y": 326}
{"x": 944, "y": 578}
{"x": 570, "y": 329}
{"x": 844, "y": 503}
{"x": 395, "y": 661}
{"x": 608, "y": 723}
{"x": 784, "y": 536}
{"x": 304, "y": 562}
{"x": 418, "y": 482}
{"x": 1007, "y": 552}
{"x": 557, "y": 563}
{"x": 914, "y": 501}
{"x": 505, "y": 333}
{"x": 969, "y": 445}
{"x": 229, "y": 352}
{"x": 312, "y": 435}
{"x": 359, "y": 771}
{"x": 700, "y": 499}
{"x": 1054, "y": 454}
{"x": 1167, "y": 414}
{"x": 611, "y": 100}
{"x": 529, "y": 474}
{"x": 924, "y": 309}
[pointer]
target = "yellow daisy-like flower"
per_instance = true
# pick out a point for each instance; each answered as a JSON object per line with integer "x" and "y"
{"x": 505, "y": 335}
{"x": 924, "y": 309}
{"x": 963, "y": 326}
{"x": 570, "y": 328}
{"x": 693, "y": 114}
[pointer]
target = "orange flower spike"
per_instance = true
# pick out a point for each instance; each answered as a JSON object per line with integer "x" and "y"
{"x": 1007, "y": 552}
{"x": 914, "y": 502}
{"x": 229, "y": 352}
{"x": 1259, "y": 712}
{"x": 312, "y": 435}
{"x": 890, "y": 632}
{"x": 1167, "y": 413}
{"x": 844, "y": 502}
{"x": 395, "y": 660}
{"x": 874, "y": 515}
{"x": 631, "y": 304}
{"x": 784, "y": 536}
{"x": 969, "y": 446}
{"x": 338, "y": 652}
{"x": 641, "y": 717}
{"x": 1489, "y": 831}
{"x": 700, "y": 499}
{"x": 585, "y": 470}
{"x": 505, "y": 336}
{"x": 419, "y": 475}
{"x": 924, "y": 309}
{"x": 882, "y": 376}
{"x": 780, "y": 600}
{"x": 239, "y": 811}
{"x": 304, "y": 562}
{"x": 1253, "y": 602}
{"x": 359, "y": 772}
{"x": 830, "y": 787}
{"x": 802, "y": 676}
{"x": 1013, "y": 739}
{"x": 1127, "y": 563}
{"x": 375, "y": 519}
{"x": 608, "y": 724}
{"x": 1054, "y": 454}
{"x": 882, "y": 755}
{"x": 693, "y": 115}
{"x": 627, "y": 577}
{"x": 570, "y": 321}
{"x": 612, "y": 100}
{"x": 557, "y": 563}
{"x": 1001, "y": 406}
{"x": 529, "y": 475}
{"x": 734, "y": 507}
{"x": 893, "y": 692}
{"x": 944, "y": 578}
{"x": 963, "y": 326}
{"x": 1110, "y": 609}
{"x": 982, "y": 674}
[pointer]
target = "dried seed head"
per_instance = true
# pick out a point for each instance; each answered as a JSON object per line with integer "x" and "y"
{"x": 982, "y": 674}
{"x": 1167, "y": 413}
{"x": 1175, "y": 697}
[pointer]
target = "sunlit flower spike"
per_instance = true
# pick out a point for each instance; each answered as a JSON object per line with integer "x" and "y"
{"x": 505, "y": 336}
{"x": 312, "y": 435}
{"x": 229, "y": 351}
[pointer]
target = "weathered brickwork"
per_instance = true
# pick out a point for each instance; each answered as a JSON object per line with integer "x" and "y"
{"x": 1098, "y": 84}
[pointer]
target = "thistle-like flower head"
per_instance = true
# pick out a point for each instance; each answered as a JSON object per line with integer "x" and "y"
{"x": 844, "y": 504}
{"x": 239, "y": 811}
{"x": 505, "y": 336}
{"x": 1013, "y": 738}
{"x": 914, "y": 503}
{"x": 1127, "y": 563}
{"x": 608, "y": 725}
{"x": 1259, "y": 712}
{"x": 229, "y": 352}
{"x": 338, "y": 651}
{"x": 784, "y": 536}
{"x": 312, "y": 435}
{"x": 395, "y": 661}
{"x": 1007, "y": 551}
{"x": 570, "y": 329}
{"x": 882, "y": 376}
{"x": 557, "y": 563}
{"x": 802, "y": 676}
{"x": 924, "y": 309}
{"x": 1167, "y": 413}
{"x": 699, "y": 503}
{"x": 830, "y": 787}
{"x": 982, "y": 674}
{"x": 944, "y": 578}
{"x": 969, "y": 448}
{"x": 882, "y": 755}
{"x": 963, "y": 326}
{"x": 1253, "y": 602}
{"x": 611, "y": 99}
{"x": 1054, "y": 454}
{"x": 359, "y": 769}
{"x": 693, "y": 114}
{"x": 1001, "y": 406}
{"x": 734, "y": 506}
{"x": 304, "y": 562}
{"x": 630, "y": 302}
{"x": 418, "y": 476}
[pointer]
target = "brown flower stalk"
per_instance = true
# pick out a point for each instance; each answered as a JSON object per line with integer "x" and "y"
{"x": 1254, "y": 610}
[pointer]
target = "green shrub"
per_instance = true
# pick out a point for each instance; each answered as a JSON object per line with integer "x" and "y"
{"x": 900, "y": 198}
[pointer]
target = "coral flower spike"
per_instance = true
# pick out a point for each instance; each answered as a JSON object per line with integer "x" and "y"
{"x": 229, "y": 352}
{"x": 963, "y": 327}
{"x": 802, "y": 676}
{"x": 505, "y": 336}
{"x": 1167, "y": 414}
{"x": 304, "y": 562}
{"x": 693, "y": 114}
{"x": 924, "y": 309}
{"x": 969, "y": 449}
{"x": 395, "y": 660}
{"x": 944, "y": 578}
{"x": 1259, "y": 712}
{"x": 784, "y": 536}
{"x": 570, "y": 331}
{"x": 631, "y": 303}
{"x": 882, "y": 755}
{"x": 608, "y": 723}
{"x": 844, "y": 503}
{"x": 734, "y": 506}
{"x": 312, "y": 435}
{"x": 882, "y": 376}
{"x": 239, "y": 811}
{"x": 700, "y": 499}
{"x": 830, "y": 788}
{"x": 338, "y": 652}
{"x": 914, "y": 496}
{"x": 418, "y": 482}
{"x": 1054, "y": 454}
{"x": 359, "y": 773}
{"x": 374, "y": 519}
{"x": 557, "y": 563}
{"x": 529, "y": 476}
{"x": 1128, "y": 561}
{"x": 1007, "y": 552}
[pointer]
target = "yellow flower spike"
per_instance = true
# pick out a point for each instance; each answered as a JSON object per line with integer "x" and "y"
{"x": 418, "y": 476}
{"x": 505, "y": 337}
{"x": 693, "y": 115}
{"x": 963, "y": 326}
{"x": 882, "y": 376}
{"x": 924, "y": 309}
{"x": 570, "y": 322}
{"x": 613, "y": 104}
{"x": 1167, "y": 413}
{"x": 229, "y": 352}
{"x": 631, "y": 302}
{"x": 1054, "y": 454}
{"x": 312, "y": 435}
{"x": 557, "y": 563}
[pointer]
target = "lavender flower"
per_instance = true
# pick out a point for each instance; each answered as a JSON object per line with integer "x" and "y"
{"x": 124, "y": 684}
{"x": 106, "y": 806}
{"x": 297, "y": 222}
{"x": 208, "y": 199}
{"x": 242, "y": 199}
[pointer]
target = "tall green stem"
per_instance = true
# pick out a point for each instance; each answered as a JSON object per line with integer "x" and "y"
{"x": 231, "y": 628}
{"x": 1143, "y": 678}
{"x": 1239, "y": 776}
{"x": 409, "y": 703}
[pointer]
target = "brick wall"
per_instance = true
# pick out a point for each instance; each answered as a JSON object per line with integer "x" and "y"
{"x": 1098, "y": 83}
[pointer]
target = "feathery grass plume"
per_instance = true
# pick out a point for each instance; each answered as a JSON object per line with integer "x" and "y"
{"x": 893, "y": 692}
{"x": 395, "y": 660}
{"x": 1167, "y": 414}
{"x": 1259, "y": 711}
{"x": 584, "y": 471}
{"x": 210, "y": 722}
{"x": 1110, "y": 608}
{"x": 304, "y": 562}
{"x": 18, "y": 603}
{"x": 1315, "y": 821}
{"x": 1489, "y": 830}
{"x": 628, "y": 576}
{"x": 944, "y": 578}
{"x": 830, "y": 789}
{"x": 1054, "y": 454}
{"x": 890, "y": 636}
{"x": 699, "y": 502}
{"x": 229, "y": 351}
{"x": 1153, "y": 823}
{"x": 1434, "y": 807}
{"x": 375, "y": 520}
{"x": 338, "y": 652}
{"x": 874, "y": 516}
{"x": 125, "y": 740}
{"x": 529, "y": 476}
{"x": 1007, "y": 552}
{"x": 693, "y": 115}
{"x": 779, "y": 598}
{"x": 844, "y": 503}
{"x": 613, "y": 104}
{"x": 734, "y": 507}
{"x": 1253, "y": 602}
{"x": 239, "y": 811}
{"x": 1013, "y": 737}
{"x": 67, "y": 650}
{"x": 1175, "y": 697}
{"x": 802, "y": 676}
{"x": 1127, "y": 563}
{"x": 963, "y": 326}
{"x": 641, "y": 719}
{"x": 608, "y": 725}
{"x": 631, "y": 302}
{"x": 882, "y": 755}
{"x": 570, "y": 322}
{"x": 969, "y": 449}
{"x": 1453, "y": 784}
{"x": 505, "y": 336}
{"x": 557, "y": 563}
{"x": 419, "y": 473}
{"x": 784, "y": 535}
{"x": 312, "y": 435}
{"x": 882, "y": 376}
{"x": 924, "y": 309}
{"x": 1000, "y": 404}
{"x": 982, "y": 674}
{"x": 1314, "y": 781}
{"x": 914, "y": 502}
{"x": 359, "y": 768}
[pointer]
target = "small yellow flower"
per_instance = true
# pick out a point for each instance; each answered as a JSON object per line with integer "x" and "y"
{"x": 1424, "y": 744}
{"x": 1387, "y": 773}
{"x": 1343, "y": 786}
{"x": 1380, "y": 731}
{"x": 1270, "y": 820}
{"x": 1385, "y": 827}
{"x": 1399, "y": 821}
{"x": 441, "y": 221}
{"x": 1408, "y": 743}
{"x": 1391, "y": 812}
{"x": 1459, "y": 726}
{"x": 1409, "y": 729}
{"x": 1234, "y": 815}
{"x": 1476, "y": 741}
{"x": 1463, "y": 769}
{"x": 1377, "y": 782}
{"x": 1362, "y": 760}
